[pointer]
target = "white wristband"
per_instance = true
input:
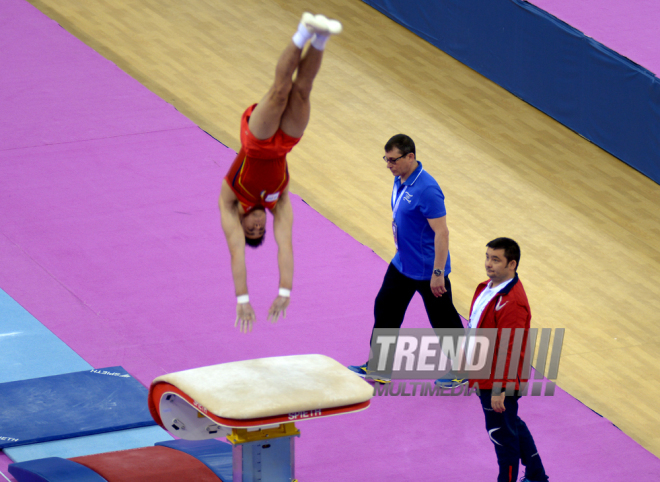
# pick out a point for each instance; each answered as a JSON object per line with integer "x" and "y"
{"x": 243, "y": 299}
{"x": 285, "y": 292}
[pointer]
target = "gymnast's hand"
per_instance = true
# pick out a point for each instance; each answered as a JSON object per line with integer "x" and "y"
{"x": 278, "y": 306}
{"x": 245, "y": 314}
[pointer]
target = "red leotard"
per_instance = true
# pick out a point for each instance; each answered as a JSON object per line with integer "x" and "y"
{"x": 259, "y": 174}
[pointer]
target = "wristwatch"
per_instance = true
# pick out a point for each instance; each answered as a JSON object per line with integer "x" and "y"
{"x": 439, "y": 272}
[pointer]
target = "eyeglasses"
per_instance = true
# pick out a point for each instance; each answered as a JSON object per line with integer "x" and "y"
{"x": 392, "y": 161}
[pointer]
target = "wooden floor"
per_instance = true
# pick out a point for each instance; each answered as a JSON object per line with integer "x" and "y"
{"x": 588, "y": 225}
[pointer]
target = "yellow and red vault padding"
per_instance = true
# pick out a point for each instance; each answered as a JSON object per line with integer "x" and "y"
{"x": 161, "y": 391}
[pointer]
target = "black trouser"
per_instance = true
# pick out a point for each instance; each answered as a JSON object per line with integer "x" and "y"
{"x": 512, "y": 440}
{"x": 395, "y": 295}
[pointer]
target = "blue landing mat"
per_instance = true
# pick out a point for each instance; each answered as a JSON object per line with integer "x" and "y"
{"x": 216, "y": 455}
{"x": 71, "y": 405}
{"x": 28, "y": 349}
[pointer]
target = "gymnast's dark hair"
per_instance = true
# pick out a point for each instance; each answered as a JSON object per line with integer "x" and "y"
{"x": 510, "y": 247}
{"x": 402, "y": 142}
{"x": 255, "y": 242}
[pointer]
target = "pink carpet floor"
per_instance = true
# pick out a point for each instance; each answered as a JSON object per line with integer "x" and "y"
{"x": 110, "y": 236}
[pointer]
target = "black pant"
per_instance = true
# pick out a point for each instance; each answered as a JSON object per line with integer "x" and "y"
{"x": 512, "y": 440}
{"x": 395, "y": 295}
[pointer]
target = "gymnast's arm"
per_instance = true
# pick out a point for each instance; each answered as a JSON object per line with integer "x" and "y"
{"x": 231, "y": 225}
{"x": 282, "y": 230}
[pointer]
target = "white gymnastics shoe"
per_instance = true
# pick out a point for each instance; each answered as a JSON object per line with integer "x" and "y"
{"x": 308, "y": 21}
{"x": 321, "y": 25}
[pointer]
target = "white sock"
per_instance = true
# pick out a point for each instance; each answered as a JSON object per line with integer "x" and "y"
{"x": 318, "y": 42}
{"x": 302, "y": 36}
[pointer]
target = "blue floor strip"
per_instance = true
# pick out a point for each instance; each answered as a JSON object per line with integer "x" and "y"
{"x": 30, "y": 350}
{"x": 92, "y": 444}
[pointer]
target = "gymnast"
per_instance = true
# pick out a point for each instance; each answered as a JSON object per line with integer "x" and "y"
{"x": 258, "y": 178}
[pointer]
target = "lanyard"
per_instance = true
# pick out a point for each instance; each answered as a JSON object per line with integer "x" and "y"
{"x": 395, "y": 202}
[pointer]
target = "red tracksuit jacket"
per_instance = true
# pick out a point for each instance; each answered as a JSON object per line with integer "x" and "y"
{"x": 508, "y": 309}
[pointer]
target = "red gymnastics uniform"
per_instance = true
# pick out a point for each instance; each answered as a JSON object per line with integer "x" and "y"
{"x": 259, "y": 174}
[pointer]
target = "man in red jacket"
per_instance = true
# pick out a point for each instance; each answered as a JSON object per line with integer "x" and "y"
{"x": 501, "y": 303}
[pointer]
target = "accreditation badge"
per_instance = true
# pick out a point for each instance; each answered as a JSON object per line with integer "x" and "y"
{"x": 394, "y": 230}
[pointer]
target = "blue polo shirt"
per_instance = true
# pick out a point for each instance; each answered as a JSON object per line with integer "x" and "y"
{"x": 423, "y": 200}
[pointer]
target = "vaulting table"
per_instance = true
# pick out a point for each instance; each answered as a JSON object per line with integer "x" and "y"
{"x": 254, "y": 403}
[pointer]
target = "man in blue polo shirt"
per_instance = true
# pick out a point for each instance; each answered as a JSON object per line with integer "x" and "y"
{"x": 421, "y": 263}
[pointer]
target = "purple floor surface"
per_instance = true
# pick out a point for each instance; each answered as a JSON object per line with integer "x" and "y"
{"x": 629, "y": 28}
{"x": 49, "y": 78}
{"x": 4, "y": 472}
{"x": 111, "y": 238}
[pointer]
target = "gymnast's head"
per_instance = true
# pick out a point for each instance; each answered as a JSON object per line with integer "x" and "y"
{"x": 254, "y": 227}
